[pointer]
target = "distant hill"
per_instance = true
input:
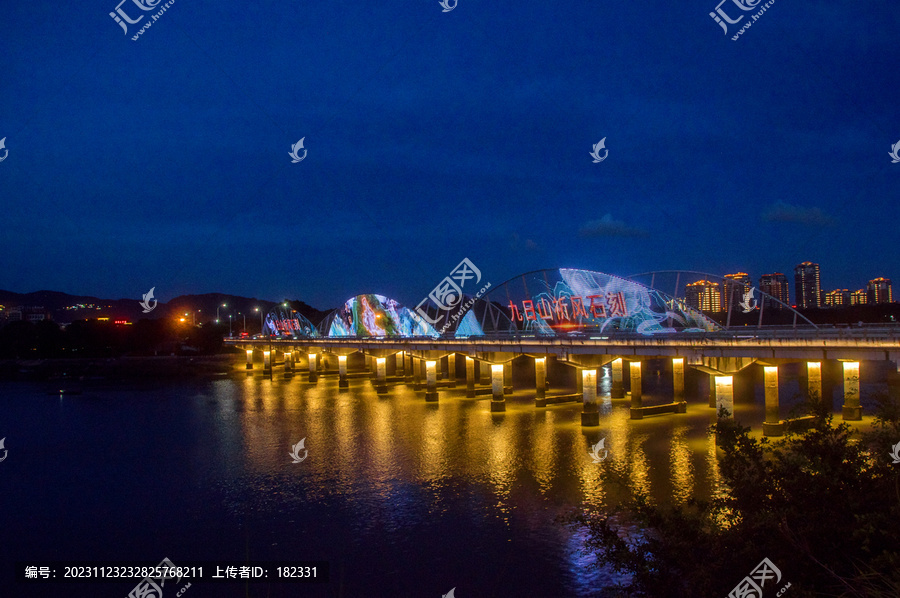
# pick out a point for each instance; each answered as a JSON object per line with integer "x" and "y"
{"x": 65, "y": 308}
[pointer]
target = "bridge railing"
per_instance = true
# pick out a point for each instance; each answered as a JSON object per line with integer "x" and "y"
{"x": 873, "y": 332}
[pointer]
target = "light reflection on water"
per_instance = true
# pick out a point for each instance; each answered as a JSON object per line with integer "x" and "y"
{"x": 397, "y": 494}
{"x": 521, "y": 468}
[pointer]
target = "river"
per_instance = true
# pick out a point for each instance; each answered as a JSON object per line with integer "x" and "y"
{"x": 400, "y": 497}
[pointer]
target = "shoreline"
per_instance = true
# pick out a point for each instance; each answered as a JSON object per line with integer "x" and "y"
{"x": 79, "y": 369}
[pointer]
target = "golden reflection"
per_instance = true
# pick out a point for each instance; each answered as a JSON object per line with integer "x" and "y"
{"x": 714, "y": 474}
{"x": 381, "y": 418}
{"x": 500, "y": 461}
{"x": 639, "y": 466}
{"x": 434, "y": 445}
{"x": 544, "y": 452}
{"x": 344, "y": 442}
{"x": 591, "y": 474}
{"x": 368, "y": 447}
{"x": 682, "y": 472}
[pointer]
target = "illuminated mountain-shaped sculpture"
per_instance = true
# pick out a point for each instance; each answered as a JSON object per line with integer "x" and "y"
{"x": 374, "y": 316}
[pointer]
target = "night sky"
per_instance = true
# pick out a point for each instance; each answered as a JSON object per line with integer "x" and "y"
{"x": 435, "y": 136}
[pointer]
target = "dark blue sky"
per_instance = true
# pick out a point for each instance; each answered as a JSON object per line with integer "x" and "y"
{"x": 436, "y": 136}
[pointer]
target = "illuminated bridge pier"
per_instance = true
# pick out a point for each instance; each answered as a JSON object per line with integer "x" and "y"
{"x": 720, "y": 357}
{"x": 607, "y": 338}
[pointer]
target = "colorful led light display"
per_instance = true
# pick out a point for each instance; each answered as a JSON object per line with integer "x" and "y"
{"x": 565, "y": 301}
{"x": 375, "y": 316}
{"x": 285, "y": 322}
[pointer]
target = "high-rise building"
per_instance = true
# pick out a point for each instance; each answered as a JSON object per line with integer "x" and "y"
{"x": 879, "y": 291}
{"x": 704, "y": 295}
{"x": 807, "y": 287}
{"x": 735, "y": 286}
{"x": 859, "y": 297}
{"x": 837, "y": 298}
{"x": 776, "y": 285}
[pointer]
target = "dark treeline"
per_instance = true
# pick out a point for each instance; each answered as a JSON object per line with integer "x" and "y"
{"x": 92, "y": 338}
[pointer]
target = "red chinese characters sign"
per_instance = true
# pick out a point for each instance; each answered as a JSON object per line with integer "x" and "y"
{"x": 570, "y": 309}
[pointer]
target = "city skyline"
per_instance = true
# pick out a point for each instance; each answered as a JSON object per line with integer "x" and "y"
{"x": 741, "y": 281}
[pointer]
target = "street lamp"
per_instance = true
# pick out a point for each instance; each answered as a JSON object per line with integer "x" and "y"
{"x": 217, "y": 311}
{"x": 260, "y": 319}
{"x": 229, "y": 325}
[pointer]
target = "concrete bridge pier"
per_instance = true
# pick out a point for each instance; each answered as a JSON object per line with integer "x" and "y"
{"x": 851, "y": 409}
{"x": 617, "y": 390}
{"x": 678, "y": 379}
{"x": 313, "y": 375}
{"x": 725, "y": 394}
{"x": 399, "y": 360}
{"x": 451, "y": 369}
{"x": 431, "y": 394}
{"x": 894, "y": 383}
{"x": 636, "y": 392}
{"x": 712, "y": 391}
{"x": 507, "y": 378}
{"x": 773, "y": 424}
{"x": 343, "y": 383}
{"x": 416, "y": 372}
{"x": 540, "y": 381}
{"x": 470, "y": 377}
{"x": 380, "y": 375}
{"x": 249, "y": 359}
{"x": 590, "y": 415}
{"x": 406, "y": 364}
{"x": 288, "y": 364}
{"x": 814, "y": 381}
{"x": 267, "y": 363}
{"x": 498, "y": 402}
{"x": 484, "y": 373}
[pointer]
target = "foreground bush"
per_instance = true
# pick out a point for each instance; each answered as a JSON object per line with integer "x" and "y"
{"x": 823, "y": 506}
